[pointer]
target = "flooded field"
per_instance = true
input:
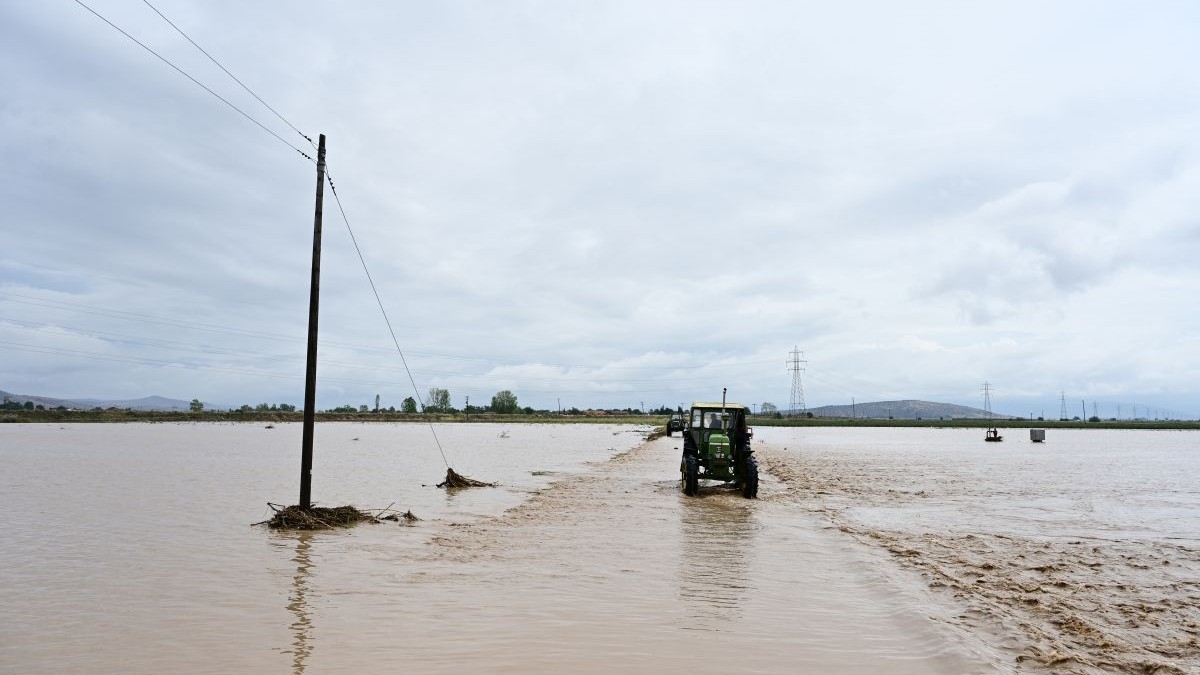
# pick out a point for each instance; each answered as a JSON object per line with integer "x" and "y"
{"x": 127, "y": 549}
{"x": 1082, "y": 555}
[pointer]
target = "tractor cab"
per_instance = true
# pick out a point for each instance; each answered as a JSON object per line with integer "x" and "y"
{"x": 716, "y": 446}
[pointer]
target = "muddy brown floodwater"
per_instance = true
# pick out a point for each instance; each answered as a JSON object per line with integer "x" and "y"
{"x": 1079, "y": 556}
{"x": 127, "y": 550}
{"x": 616, "y": 570}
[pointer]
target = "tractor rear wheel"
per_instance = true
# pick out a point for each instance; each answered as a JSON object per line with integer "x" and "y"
{"x": 691, "y": 476}
{"x": 750, "y": 480}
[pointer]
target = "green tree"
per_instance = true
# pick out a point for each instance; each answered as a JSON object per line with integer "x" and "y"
{"x": 505, "y": 402}
{"x": 768, "y": 408}
{"x": 409, "y": 405}
{"x": 438, "y": 400}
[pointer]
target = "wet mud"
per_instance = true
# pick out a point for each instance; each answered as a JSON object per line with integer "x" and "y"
{"x": 1058, "y": 602}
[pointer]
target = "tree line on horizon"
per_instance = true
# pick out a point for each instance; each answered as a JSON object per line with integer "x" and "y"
{"x": 503, "y": 402}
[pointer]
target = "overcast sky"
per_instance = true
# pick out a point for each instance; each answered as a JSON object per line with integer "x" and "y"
{"x": 608, "y": 203}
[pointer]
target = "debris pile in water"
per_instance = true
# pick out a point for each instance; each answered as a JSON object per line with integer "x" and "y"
{"x": 456, "y": 480}
{"x": 324, "y": 518}
{"x": 407, "y": 517}
{"x": 315, "y": 518}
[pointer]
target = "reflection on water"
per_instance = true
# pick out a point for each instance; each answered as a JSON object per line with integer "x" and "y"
{"x": 298, "y": 604}
{"x": 717, "y": 541}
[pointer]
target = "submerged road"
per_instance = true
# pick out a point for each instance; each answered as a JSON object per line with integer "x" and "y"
{"x": 615, "y": 570}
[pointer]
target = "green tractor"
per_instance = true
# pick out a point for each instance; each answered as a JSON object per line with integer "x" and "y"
{"x": 716, "y": 446}
{"x": 676, "y": 422}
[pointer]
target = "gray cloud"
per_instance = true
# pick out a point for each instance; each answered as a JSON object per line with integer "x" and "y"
{"x": 606, "y": 203}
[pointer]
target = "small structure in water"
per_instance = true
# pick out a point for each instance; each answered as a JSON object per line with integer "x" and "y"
{"x": 993, "y": 434}
{"x": 1037, "y": 435}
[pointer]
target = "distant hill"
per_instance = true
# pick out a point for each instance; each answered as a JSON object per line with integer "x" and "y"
{"x": 903, "y": 410}
{"x": 147, "y": 403}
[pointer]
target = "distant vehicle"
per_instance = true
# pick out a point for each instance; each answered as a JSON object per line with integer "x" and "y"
{"x": 676, "y": 422}
{"x": 716, "y": 446}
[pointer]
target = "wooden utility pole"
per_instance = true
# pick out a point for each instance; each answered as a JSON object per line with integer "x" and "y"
{"x": 310, "y": 373}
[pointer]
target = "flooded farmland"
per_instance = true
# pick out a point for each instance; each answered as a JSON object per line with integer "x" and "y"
{"x": 1081, "y": 555}
{"x": 127, "y": 549}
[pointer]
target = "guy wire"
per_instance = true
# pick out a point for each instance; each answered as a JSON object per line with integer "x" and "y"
{"x": 386, "y": 320}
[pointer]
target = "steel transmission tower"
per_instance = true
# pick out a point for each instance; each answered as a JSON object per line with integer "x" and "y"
{"x": 987, "y": 399}
{"x": 1062, "y": 415}
{"x": 796, "y": 365}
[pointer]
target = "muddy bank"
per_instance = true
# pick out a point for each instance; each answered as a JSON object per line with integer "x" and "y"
{"x": 1079, "y": 594}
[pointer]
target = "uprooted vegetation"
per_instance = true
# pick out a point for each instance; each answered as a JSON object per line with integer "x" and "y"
{"x": 326, "y": 518}
{"x": 457, "y": 480}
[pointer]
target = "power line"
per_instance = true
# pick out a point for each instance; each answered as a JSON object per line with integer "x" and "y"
{"x": 231, "y": 75}
{"x": 378, "y": 301}
{"x": 198, "y": 83}
{"x": 285, "y": 142}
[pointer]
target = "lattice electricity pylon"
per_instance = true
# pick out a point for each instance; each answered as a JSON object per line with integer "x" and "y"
{"x": 796, "y": 365}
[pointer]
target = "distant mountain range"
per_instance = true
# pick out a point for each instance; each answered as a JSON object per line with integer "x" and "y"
{"x": 903, "y": 410}
{"x": 147, "y": 403}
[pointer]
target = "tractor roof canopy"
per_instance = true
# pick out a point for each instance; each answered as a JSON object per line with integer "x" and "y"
{"x": 718, "y": 406}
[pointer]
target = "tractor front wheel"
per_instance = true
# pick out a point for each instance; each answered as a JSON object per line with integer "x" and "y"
{"x": 750, "y": 480}
{"x": 691, "y": 476}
